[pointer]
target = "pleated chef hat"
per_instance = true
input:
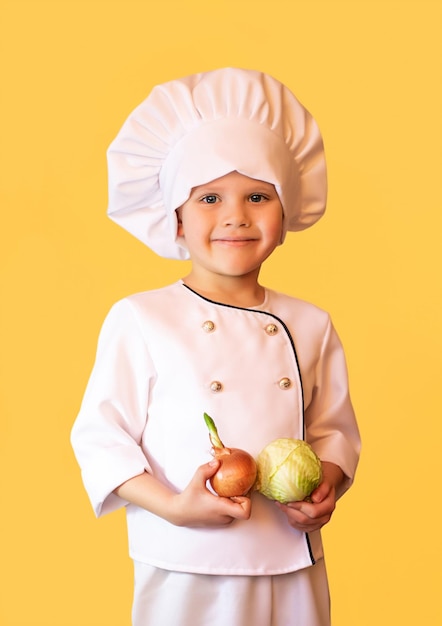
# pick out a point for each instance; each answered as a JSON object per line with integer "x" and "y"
{"x": 193, "y": 130}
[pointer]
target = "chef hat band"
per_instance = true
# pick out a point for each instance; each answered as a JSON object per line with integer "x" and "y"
{"x": 191, "y": 131}
{"x": 218, "y": 147}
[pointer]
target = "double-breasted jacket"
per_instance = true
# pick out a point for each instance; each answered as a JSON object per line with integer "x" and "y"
{"x": 165, "y": 357}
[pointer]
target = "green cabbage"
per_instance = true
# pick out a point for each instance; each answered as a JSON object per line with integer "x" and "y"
{"x": 288, "y": 470}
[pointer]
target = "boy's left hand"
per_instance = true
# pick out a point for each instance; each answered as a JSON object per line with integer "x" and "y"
{"x": 309, "y": 516}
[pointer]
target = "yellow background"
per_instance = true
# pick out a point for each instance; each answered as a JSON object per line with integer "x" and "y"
{"x": 370, "y": 72}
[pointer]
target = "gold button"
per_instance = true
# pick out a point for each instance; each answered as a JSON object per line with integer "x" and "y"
{"x": 271, "y": 329}
{"x": 208, "y": 326}
{"x": 215, "y": 386}
{"x": 285, "y": 383}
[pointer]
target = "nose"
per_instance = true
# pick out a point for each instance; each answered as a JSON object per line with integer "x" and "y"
{"x": 236, "y": 215}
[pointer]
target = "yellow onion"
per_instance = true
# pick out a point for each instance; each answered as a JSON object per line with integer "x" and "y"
{"x": 237, "y": 471}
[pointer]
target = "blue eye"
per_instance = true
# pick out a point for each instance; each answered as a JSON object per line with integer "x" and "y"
{"x": 209, "y": 199}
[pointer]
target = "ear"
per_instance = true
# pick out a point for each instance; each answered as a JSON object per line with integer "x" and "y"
{"x": 180, "y": 229}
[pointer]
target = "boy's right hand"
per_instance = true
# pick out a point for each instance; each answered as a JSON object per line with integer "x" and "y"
{"x": 198, "y": 507}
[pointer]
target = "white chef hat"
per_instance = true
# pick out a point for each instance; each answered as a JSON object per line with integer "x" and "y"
{"x": 193, "y": 130}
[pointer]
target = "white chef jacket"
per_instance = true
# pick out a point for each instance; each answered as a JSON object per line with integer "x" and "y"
{"x": 167, "y": 356}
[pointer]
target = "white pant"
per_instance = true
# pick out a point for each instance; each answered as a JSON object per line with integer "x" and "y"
{"x": 164, "y": 598}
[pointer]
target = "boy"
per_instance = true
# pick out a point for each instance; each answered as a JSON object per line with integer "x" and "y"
{"x": 217, "y": 167}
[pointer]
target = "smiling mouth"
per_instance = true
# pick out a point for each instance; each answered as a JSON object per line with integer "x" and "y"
{"x": 233, "y": 241}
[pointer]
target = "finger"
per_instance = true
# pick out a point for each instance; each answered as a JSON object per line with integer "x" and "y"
{"x": 306, "y": 524}
{"x": 245, "y": 509}
{"x": 206, "y": 471}
{"x": 320, "y": 493}
{"x": 304, "y": 508}
{"x": 301, "y": 510}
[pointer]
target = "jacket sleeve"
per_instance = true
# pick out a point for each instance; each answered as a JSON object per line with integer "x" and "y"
{"x": 108, "y": 429}
{"x": 330, "y": 421}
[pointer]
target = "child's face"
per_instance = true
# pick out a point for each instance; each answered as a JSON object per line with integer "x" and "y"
{"x": 231, "y": 225}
